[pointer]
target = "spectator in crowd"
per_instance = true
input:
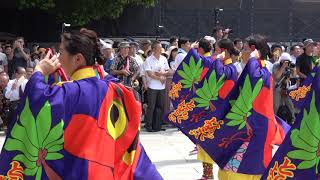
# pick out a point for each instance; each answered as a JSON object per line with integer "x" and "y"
{"x": 21, "y": 55}
{"x": 280, "y": 94}
{"x": 174, "y": 41}
{"x": 295, "y": 52}
{"x": 172, "y": 53}
{"x": 220, "y": 33}
{"x": 124, "y": 67}
{"x": 238, "y": 44}
{"x": 15, "y": 89}
{"x": 4, "y": 79}
{"x": 3, "y": 62}
{"x": 145, "y": 47}
{"x": 133, "y": 52}
{"x": 35, "y": 48}
{"x": 34, "y": 60}
{"x": 16, "y": 86}
{"x": 157, "y": 69}
{"x": 29, "y": 72}
{"x": 316, "y": 51}
{"x": 107, "y": 53}
{"x": 184, "y": 47}
{"x": 9, "y": 54}
{"x": 276, "y": 51}
{"x": 305, "y": 61}
{"x": 42, "y": 53}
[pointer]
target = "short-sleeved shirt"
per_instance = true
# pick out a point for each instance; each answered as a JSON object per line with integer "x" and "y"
{"x": 179, "y": 58}
{"x": 304, "y": 63}
{"x": 155, "y": 65}
{"x": 120, "y": 63}
{"x": 18, "y": 59}
{"x": 3, "y": 61}
{"x": 107, "y": 65}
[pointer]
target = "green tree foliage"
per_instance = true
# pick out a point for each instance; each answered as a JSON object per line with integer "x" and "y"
{"x": 80, "y": 12}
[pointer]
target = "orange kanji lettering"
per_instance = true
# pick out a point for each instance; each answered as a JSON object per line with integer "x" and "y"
{"x": 15, "y": 172}
{"x": 207, "y": 130}
{"x": 282, "y": 171}
{"x": 300, "y": 93}
{"x": 174, "y": 91}
{"x": 182, "y": 112}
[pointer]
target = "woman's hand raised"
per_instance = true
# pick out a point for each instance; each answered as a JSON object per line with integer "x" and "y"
{"x": 48, "y": 65}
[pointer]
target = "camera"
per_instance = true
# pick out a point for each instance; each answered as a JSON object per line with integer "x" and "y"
{"x": 287, "y": 74}
{"x": 290, "y": 64}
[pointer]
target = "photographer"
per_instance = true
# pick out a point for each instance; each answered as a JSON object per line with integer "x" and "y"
{"x": 220, "y": 33}
{"x": 21, "y": 55}
{"x": 283, "y": 73}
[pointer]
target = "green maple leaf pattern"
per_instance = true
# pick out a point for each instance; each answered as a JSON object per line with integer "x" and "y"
{"x": 307, "y": 139}
{"x": 241, "y": 108}
{"x": 32, "y": 137}
{"x": 191, "y": 73}
{"x": 209, "y": 91}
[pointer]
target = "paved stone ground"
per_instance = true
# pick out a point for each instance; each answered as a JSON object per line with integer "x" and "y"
{"x": 169, "y": 151}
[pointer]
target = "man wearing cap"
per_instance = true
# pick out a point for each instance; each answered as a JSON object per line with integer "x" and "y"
{"x": 124, "y": 67}
{"x": 305, "y": 61}
{"x": 145, "y": 47}
{"x": 106, "y": 51}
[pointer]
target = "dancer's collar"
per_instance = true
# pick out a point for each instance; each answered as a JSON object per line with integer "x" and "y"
{"x": 83, "y": 73}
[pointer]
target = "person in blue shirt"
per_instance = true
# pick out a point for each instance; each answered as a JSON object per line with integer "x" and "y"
{"x": 107, "y": 52}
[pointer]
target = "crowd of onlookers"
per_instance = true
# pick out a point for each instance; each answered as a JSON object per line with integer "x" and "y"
{"x": 148, "y": 66}
{"x": 16, "y": 67}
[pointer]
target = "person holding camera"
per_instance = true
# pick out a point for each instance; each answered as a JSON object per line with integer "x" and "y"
{"x": 21, "y": 55}
{"x": 220, "y": 33}
{"x": 283, "y": 73}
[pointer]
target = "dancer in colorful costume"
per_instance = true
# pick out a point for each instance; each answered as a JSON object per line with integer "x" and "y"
{"x": 79, "y": 129}
{"x": 298, "y": 156}
{"x": 201, "y": 87}
{"x": 238, "y": 133}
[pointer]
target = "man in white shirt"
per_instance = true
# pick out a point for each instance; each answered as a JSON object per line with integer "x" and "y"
{"x": 184, "y": 47}
{"x": 157, "y": 69}
{"x": 15, "y": 87}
